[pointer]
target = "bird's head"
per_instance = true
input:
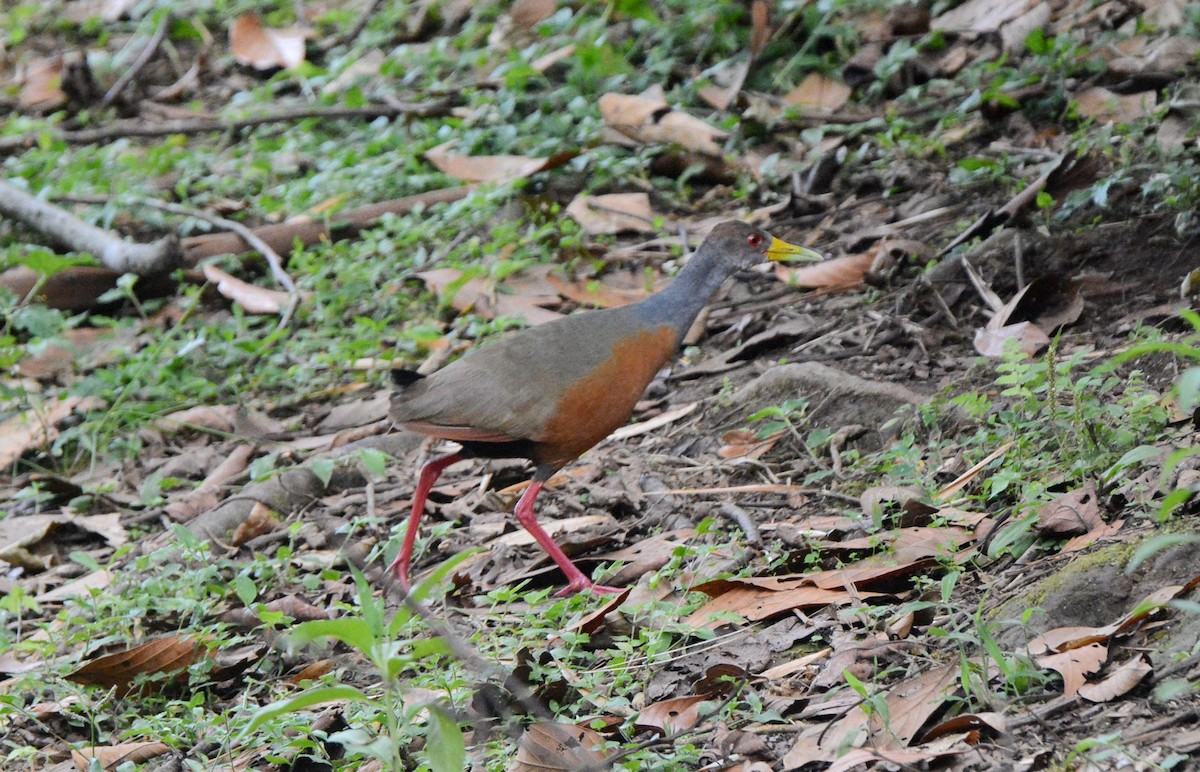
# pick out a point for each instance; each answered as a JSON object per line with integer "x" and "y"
{"x": 743, "y": 245}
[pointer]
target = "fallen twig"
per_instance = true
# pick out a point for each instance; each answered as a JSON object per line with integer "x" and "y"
{"x": 205, "y": 124}
{"x": 254, "y": 241}
{"x": 114, "y": 252}
{"x": 143, "y": 59}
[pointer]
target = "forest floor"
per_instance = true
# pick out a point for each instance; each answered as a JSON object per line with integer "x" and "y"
{"x": 926, "y": 504}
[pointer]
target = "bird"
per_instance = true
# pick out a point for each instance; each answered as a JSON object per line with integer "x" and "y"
{"x": 549, "y": 393}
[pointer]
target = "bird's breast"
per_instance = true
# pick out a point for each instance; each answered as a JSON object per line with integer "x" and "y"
{"x": 594, "y": 406}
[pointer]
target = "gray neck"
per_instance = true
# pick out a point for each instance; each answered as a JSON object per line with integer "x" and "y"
{"x": 680, "y": 302}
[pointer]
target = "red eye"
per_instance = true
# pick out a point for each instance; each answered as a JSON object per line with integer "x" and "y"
{"x": 754, "y": 240}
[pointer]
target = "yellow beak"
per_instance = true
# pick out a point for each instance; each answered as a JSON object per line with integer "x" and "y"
{"x": 781, "y": 251}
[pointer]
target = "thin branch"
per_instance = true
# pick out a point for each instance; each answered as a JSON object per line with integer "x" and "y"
{"x": 143, "y": 59}
{"x": 205, "y": 124}
{"x": 114, "y": 252}
{"x": 247, "y": 235}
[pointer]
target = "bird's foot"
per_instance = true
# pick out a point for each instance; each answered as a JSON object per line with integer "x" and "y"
{"x": 582, "y": 584}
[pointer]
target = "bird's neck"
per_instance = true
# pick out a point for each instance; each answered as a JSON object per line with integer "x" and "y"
{"x": 682, "y": 300}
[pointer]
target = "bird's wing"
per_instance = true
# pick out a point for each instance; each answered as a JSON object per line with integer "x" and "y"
{"x": 512, "y": 388}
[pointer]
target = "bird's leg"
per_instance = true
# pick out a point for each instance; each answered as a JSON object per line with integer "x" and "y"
{"x": 576, "y": 581}
{"x": 429, "y": 474}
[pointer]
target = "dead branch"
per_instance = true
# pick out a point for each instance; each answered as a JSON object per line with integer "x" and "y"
{"x": 114, "y": 252}
{"x": 206, "y": 124}
{"x": 139, "y": 64}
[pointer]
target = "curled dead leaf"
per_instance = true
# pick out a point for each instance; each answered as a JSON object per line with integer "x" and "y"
{"x": 646, "y": 119}
{"x": 263, "y": 49}
{"x": 843, "y": 271}
{"x": 1119, "y": 682}
{"x": 819, "y": 92}
{"x": 168, "y": 656}
{"x": 613, "y": 213}
{"x": 490, "y": 168}
{"x": 112, "y": 756}
{"x": 558, "y": 747}
{"x": 673, "y": 714}
{"x": 251, "y": 297}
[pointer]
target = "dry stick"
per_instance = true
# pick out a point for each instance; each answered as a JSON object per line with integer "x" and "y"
{"x": 143, "y": 59}
{"x": 744, "y": 521}
{"x": 114, "y": 252}
{"x": 247, "y": 235}
{"x": 202, "y": 125}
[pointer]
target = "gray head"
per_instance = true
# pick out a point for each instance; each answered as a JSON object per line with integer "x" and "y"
{"x": 735, "y": 245}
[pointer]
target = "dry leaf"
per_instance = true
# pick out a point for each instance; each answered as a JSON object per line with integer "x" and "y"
{"x": 1119, "y": 682}
{"x": 41, "y": 81}
{"x": 546, "y": 61}
{"x": 613, "y": 213}
{"x": 261, "y": 520}
{"x": 527, "y": 293}
{"x": 263, "y": 49}
{"x": 646, "y": 555}
{"x": 760, "y": 31}
{"x": 603, "y": 521}
{"x": 252, "y": 298}
{"x": 727, "y": 79}
{"x": 1071, "y": 514}
{"x": 647, "y": 119}
{"x": 651, "y": 424}
{"x": 614, "y": 289}
{"x": 1074, "y": 665}
{"x": 819, "y": 92}
{"x": 981, "y": 15}
{"x": 743, "y": 443}
{"x": 527, "y": 14}
{"x": 170, "y": 655}
{"x": 80, "y": 11}
{"x": 19, "y": 536}
{"x": 112, "y": 756}
{"x": 845, "y": 271}
{"x": 489, "y": 168}
{"x": 38, "y": 428}
{"x": 1108, "y": 107}
{"x": 672, "y": 715}
{"x": 224, "y": 419}
{"x": 1029, "y": 337}
{"x": 558, "y": 747}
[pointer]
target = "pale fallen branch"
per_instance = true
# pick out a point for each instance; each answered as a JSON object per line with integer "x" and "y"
{"x": 59, "y": 225}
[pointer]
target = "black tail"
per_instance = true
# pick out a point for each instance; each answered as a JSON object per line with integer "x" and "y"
{"x": 402, "y": 378}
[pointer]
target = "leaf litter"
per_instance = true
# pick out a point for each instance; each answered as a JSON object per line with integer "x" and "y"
{"x": 864, "y": 571}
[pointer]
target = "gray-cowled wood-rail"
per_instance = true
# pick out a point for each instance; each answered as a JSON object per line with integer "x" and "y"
{"x": 551, "y": 392}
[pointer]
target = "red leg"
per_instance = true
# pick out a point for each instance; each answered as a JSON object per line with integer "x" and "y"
{"x": 576, "y": 581}
{"x": 429, "y": 474}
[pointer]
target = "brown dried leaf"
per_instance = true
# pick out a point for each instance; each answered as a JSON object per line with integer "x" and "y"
{"x": 172, "y": 654}
{"x": 1074, "y": 665}
{"x": 558, "y": 747}
{"x": 112, "y": 756}
{"x": 1029, "y": 337}
{"x": 743, "y": 443}
{"x": 251, "y": 297}
{"x": 489, "y": 168}
{"x": 672, "y": 715}
{"x": 546, "y": 61}
{"x": 981, "y": 15}
{"x": 262, "y": 519}
{"x": 38, "y": 427}
{"x": 595, "y": 620}
{"x": 1049, "y": 301}
{"x": 912, "y": 703}
{"x": 609, "y": 291}
{"x": 760, "y": 30}
{"x": 757, "y": 604}
{"x": 646, "y": 555}
{"x": 1108, "y": 107}
{"x": 613, "y": 213}
{"x": 527, "y": 14}
{"x": 1119, "y": 682}
{"x": 256, "y": 46}
{"x": 223, "y": 419}
{"x": 727, "y": 78}
{"x": 995, "y": 724}
{"x": 845, "y": 271}
{"x": 647, "y": 119}
{"x": 819, "y": 92}
{"x": 41, "y": 81}
{"x": 1073, "y": 513}
{"x": 524, "y": 298}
